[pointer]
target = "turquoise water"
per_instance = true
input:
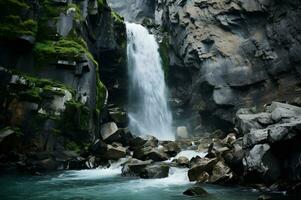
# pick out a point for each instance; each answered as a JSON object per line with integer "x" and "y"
{"x": 108, "y": 184}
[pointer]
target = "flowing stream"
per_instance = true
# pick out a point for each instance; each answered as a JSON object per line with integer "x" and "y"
{"x": 148, "y": 109}
{"x": 108, "y": 184}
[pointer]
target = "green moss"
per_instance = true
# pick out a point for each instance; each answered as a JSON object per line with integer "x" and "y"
{"x": 46, "y": 83}
{"x": 78, "y": 15}
{"x": 101, "y": 95}
{"x": 76, "y": 117}
{"x": 117, "y": 18}
{"x": 17, "y": 130}
{"x": 72, "y": 146}
{"x": 64, "y": 48}
{"x": 37, "y": 88}
{"x": 13, "y": 20}
{"x": 32, "y": 95}
{"x": 52, "y": 10}
{"x": 101, "y": 4}
{"x": 13, "y": 26}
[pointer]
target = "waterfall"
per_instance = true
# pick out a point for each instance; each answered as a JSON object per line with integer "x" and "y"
{"x": 148, "y": 109}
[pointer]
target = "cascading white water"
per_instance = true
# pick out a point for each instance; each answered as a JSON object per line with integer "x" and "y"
{"x": 148, "y": 109}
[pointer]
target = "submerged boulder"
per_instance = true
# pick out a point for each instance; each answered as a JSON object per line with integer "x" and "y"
{"x": 196, "y": 191}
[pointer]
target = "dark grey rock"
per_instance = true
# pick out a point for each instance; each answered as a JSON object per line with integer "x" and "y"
{"x": 108, "y": 129}
{"x": 202, "y": 165}
{"x": 155, "y": 171}
{"x": 196, "y": 191}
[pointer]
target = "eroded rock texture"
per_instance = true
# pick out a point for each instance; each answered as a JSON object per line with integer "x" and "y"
{"x": 227, "y": 54}
{"x": 53, "y": 54}
{"x": 134, "y": 10}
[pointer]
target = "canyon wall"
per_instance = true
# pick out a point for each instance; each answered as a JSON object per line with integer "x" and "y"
{"x": 56, "y": 57}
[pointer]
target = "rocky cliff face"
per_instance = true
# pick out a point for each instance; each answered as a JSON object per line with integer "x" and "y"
{"x": 52, "y": 56}
{"x": 228, "y": 54}
{"x": 134, "y": 10}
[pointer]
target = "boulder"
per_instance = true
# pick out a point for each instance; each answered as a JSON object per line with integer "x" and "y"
{"x": 115, "y": 152}
{"x": 255, "y": 137}
{"x": 134, "y": 167}
{"x": 196, "y": 191}
{"x": 282, "y": 112}
{"x": 261, "y": 162}
{"x": 119, "y": 117}
{"x": 247, "y": 122}
{"x": 108, "y": 129}
{"x": 234, "y": 160}
{"x": 221, "y": 174}
{"x": 203, "y": 177}
{"x": 229, "y": 139}
{"x": 155, "y": 171}
{"x": 182, "y": 132}
{"x": 137, "y": 143}
{"x": 183, "y": 161}
{"x": 98, "y": 148}
{"x": 48, "y": 164}
{"x": 151, "y": 142}
{"x": 9, "y": 140}
{"x": 150, "y": 153}
{"x": 123, "y": 136}
{"x": 171, "y": 148}
{"x": 203, "y": 165}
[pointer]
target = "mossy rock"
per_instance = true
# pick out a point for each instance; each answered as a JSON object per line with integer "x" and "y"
{"x": 76, "y": 117}
{"x": 38, "y": 88}
{"x": 63, "y": 49}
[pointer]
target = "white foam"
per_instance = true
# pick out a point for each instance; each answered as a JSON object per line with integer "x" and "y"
{"x": 177, "y": 176}
{"x": 190, "y": 154}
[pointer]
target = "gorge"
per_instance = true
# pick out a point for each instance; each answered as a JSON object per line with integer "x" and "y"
{"x": 150, "y": 99}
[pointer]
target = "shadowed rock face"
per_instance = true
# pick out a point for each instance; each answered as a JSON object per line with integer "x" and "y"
{"x": 134, "y": 10}
{"x": 230, "y": 54}
{"x": 51, "y": 56}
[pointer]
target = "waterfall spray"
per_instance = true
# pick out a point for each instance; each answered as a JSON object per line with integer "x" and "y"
{"x": 148, "y": 110}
